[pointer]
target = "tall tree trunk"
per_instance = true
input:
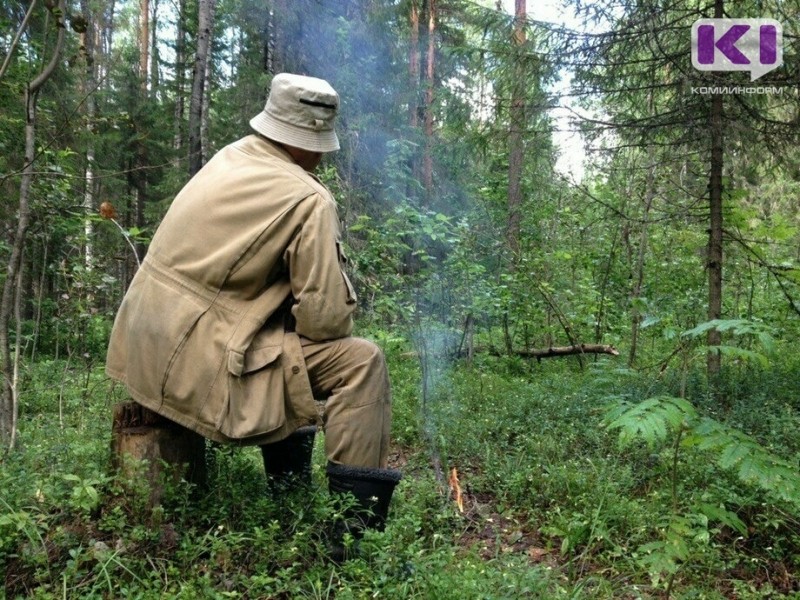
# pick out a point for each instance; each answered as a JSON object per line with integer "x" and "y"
{"x": 144, "y": 42}
{"x": 106, "y": 37}
{"x": 204, "y": 139}
{"x": 204, "y": 143}
{"x": 599, "y": 324}
{"x": 638, "y": 273}
{"x": 140, "y": 177}
{"x": 22, "y": 27}
{"x": 515, "y": 141}
{"x": 714, "y": 260}
{"x": 269, "y": 41}
{"x": 180, "y": 78}
{"x": 205, "y": 24}
{"x": 430, "y": 73}
{"x": 154, "y": 57}
{"x": 413, "y": 65}
{"x": 88, "y": 42}
{"x": 280, "y": 11}
{"x": 9, "y": 401}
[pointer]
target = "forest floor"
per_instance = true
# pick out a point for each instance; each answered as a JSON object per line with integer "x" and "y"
{"x": 555, "y": 503}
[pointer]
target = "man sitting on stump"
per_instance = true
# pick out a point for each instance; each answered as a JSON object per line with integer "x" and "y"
{"x": 241, "y": 313}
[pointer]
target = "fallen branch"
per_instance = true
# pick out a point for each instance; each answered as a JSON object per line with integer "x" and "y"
{"x": 554, "y": 351}
{"x": 551, "y": 352}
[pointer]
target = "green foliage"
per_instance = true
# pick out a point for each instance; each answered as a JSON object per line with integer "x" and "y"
{"x": 395, "y": 263}
{"x": 751, "y": 461}
{"x": 686, "y": 530}
{"x": 688, "y": 486}
{"x": 552, "y": 506}
{"x": 653, "y": 419}
{"x": 650, "y": 420}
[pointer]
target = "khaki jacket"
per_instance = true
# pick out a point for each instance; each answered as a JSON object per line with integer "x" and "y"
{"x": 200, "y": 336}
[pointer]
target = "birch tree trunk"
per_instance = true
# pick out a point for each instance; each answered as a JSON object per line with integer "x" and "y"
{"x": 88, "y": 43}
{"x": 9, "y": 400}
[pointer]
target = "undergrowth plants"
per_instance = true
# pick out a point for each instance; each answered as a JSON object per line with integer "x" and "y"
{"x": 673, "y": 428}
{"x": 684, "y": 492}
{"x": 601, "y": 483}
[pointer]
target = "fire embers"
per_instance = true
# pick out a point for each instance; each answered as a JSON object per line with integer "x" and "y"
{"x": 455, "y": 490}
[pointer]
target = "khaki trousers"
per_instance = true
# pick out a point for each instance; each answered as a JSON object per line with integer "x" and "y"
{"x": 350, "y": 374}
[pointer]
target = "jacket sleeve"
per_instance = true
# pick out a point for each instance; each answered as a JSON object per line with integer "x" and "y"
{"x": 324, "y": 297}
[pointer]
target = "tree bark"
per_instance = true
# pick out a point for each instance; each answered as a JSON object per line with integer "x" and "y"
{"x": 638, "y": 273}
{"x": 205, "y": 111}
{"x": 170, "y": 450}
{"x": 413, "y": 65}
{"x": 180, "y": 78}
{"x": 8, "y": 403}
{"x": 515, "y": 141}
{"x": 154, "y": 57}
{"x": 714, "y": 259}
{"x": 17, "y": 36}
{"x": 604, "y": 284}
{"x": 144, "y": 42}
{"x": 139, "y": 177}
{"x": 88, "y": 38}
{"x": 430, "y": 73}
{"x": 268, "y": 62}
{"x": 205, "y": 25}
{"x": 106, "y": 38}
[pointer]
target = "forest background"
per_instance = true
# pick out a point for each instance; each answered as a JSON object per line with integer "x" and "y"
{"x": 657, "y": 457}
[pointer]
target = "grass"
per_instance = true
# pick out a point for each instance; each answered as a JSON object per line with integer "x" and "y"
{"x": 553, "y": 506}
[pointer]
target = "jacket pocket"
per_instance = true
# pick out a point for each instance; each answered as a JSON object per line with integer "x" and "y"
{"x": 154, "y": 322}
{"x": 255, "y": 393}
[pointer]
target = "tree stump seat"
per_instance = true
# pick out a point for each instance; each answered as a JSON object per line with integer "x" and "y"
{"x": 171, "y": 451}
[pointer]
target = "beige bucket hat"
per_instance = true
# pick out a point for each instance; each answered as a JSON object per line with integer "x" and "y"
{"x": 299, "y": 112}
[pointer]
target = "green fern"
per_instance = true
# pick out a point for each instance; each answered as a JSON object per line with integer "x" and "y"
{"x": 752, "y": 463}
{"x": 739, "y": 328}
{"x": 735, "y": 326}
{"x": 651, "y": 420}
{"x": 686, "y": 528}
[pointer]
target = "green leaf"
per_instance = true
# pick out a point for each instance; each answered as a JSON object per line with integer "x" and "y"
{"x": 650, "y": 421}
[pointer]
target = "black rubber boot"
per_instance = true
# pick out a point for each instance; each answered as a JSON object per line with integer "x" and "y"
{"x": 287, "y": 463}
{"x": 372, "y": 490}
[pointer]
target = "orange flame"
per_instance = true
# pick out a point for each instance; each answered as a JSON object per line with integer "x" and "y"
{"x": 455, "y": 487}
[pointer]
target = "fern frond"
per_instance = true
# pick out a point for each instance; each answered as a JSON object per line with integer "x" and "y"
{"x": 651, "y": 420}
{"x": 752, "y": 463}
{"x": 746, "y": 355}
{"x": 721, "y": 514}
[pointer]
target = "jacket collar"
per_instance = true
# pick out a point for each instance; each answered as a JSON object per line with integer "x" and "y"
{"x": 258, "y": 144}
